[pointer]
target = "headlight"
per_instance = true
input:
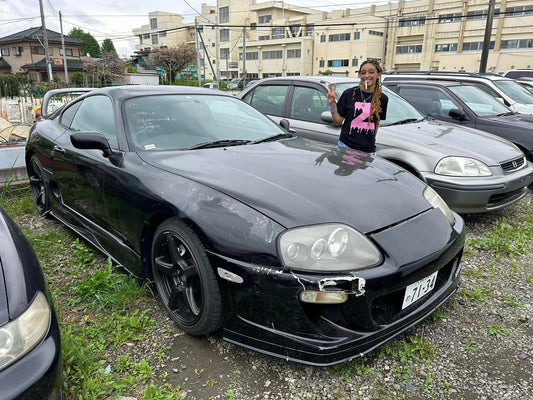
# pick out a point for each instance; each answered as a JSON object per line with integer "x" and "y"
{"x": 436, "y": 201}
{"x": 21, "y": 335}
{"x": 462, "y": 166}
{"x": 327, "y": 248}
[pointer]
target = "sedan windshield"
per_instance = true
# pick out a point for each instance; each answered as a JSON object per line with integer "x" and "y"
{"x": 514, "y": 91}
{"x": 179, "y": 122}
{"x": 399, "y": 110}
{"x": 481, "y": 103}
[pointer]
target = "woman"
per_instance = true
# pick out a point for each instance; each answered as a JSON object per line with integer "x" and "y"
{"x": 360, "y": 109}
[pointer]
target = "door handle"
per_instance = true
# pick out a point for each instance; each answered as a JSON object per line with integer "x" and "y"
{"x": 59, "y": 150}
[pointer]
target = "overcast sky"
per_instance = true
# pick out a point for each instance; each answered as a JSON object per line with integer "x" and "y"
{"x": 116, "y": 19}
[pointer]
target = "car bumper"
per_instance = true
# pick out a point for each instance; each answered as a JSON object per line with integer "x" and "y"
{"x": 265, "y": 312}
{"x": 477, "y": 195}
{"x": 37, "y": 375}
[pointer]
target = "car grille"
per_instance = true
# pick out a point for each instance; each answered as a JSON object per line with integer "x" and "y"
{"x": 513, "y": 164}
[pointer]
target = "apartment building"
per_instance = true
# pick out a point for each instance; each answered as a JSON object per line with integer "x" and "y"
{"x": 23, "y": 53}
{"x": 280, "y": 39}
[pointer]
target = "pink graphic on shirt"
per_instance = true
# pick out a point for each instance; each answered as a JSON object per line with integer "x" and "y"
{"x": 351, "y": 157}
{"x": 358, "y": 123}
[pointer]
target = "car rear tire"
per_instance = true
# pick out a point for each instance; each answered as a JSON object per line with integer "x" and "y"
{"x": 184, "y": 279}
{"x": 39, "y": 190}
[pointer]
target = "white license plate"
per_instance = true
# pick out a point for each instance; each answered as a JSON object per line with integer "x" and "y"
{"x": 418, "y": 289}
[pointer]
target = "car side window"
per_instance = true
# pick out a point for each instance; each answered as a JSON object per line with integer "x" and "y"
{"x": 429, "y": 100}
{"x": 68, "y": 114}
{"x": 95, "y": 114}
{"x": 485, "y": 88}
{"x": 268, "y": 99}
{"x": 307, "y": 104}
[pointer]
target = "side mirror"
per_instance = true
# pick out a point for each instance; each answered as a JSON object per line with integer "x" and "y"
{"x": 458, "y": 113}
{"x": 91, "y": 141}
{"x": 326, "y": 117}
{"x": 286, "y": 125}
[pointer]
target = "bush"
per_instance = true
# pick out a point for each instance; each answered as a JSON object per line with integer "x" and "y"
{"x": 10, "y": 85}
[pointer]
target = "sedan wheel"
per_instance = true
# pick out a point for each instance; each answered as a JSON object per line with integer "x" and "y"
{"x": 184, "y": 278}
{"x": 38, "y": 186}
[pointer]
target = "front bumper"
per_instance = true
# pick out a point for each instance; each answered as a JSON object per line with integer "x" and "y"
{"x": 476, "y": 195}
{"x": 264, "y": 312}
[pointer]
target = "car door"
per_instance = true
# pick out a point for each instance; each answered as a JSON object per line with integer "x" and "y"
{"x": 84, "y": 178}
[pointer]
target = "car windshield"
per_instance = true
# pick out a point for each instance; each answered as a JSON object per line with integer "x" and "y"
{"x": 514, "y": 91}
{"x": 179, "y": 122}
{"x": 399, "y": 110}
{"x": 480, "y": 102}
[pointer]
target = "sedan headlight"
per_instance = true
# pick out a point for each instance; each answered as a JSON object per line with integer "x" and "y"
{"x": 327, "y": 248}
{"x": 462, "y": 166}
{"x": 19, "y": 336}
{"x": 437, "y": 202}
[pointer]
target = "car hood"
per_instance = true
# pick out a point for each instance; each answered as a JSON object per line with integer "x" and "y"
{"x": 451, "y": 139}
{"x": 522, "y": 108}
{"x": 300, "y": 182}
{"x": 521, "y": 121}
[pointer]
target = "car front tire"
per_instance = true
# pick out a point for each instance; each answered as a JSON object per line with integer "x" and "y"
{"x": 39, "y": 190}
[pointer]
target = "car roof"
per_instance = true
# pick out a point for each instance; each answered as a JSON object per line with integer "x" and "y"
{"x": 323, "y": 79}
{"x": 467, "y": 76}
{"x": 427, "y": 82}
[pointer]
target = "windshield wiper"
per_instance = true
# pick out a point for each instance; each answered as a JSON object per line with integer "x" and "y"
{"x": 404, "y": 121}
{"x": 220, "y": 143}
{"x": 507, "y": 113}
{"x": 273, "y": 138}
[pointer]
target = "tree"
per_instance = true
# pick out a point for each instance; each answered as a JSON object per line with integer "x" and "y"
{"x": 91, "y": 46}
{"x": 173, "y": 59}
{"x": 108, "y": 47}
{"x": 103, "y": 71}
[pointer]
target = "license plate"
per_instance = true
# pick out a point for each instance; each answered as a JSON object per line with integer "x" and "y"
{"x": 418, "y": 289}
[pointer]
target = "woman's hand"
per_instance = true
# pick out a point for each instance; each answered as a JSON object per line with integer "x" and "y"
{"x": 331, "y": 94}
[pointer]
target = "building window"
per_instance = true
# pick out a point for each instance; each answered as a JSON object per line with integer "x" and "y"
{"x": 447, "y": 18}
{"x": 416, "y": 48}
{"x": 37, "y": 50}
{"x": 339, "y": 37}
{"x": 375, "y": 33}
{"x": 253, "y": 55}
{"x": 146, "y": 36}
{"x": 322, "y": 38}
{"x": 68, "y": 52}
{"x": 517, "y": 44}
{"x": 445, "y": 47}
{"x": 17, "y": 51}
{"x": 253, "y": 26}
{"x": 266, "y": 37}
{"x": 213, "y": 44}
{"x": 294, "y": 53}
{"x": 477, "y": 46}
{"x": 355, "y": 62}
{"x": 295, "y": 30}
{"x": 338, "y": 63}
{"x": 264, "y": 19}
{"x": 224, "y": 35}
{"x": 163, "y": 34}
{"x": 5, "y": 52}
{"x": 479, "y": 14}
{"x": 412, "y": 21}
{"x": 321, "y": 64}
{"x": 155, "y": 38}
{"x": 153, "y": 23}
{"x": 518, "y": 11}
{"x": 272, "y": 54}
{"x": 278, "y": 33}
{"x": 223, "y": 14}
{"x": 356, "y": 35}
{"x": 309, "y": 30}
{"x": 224, "y": 54}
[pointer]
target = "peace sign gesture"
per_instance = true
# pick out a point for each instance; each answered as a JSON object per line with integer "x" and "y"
{"x": 331, "y": 94}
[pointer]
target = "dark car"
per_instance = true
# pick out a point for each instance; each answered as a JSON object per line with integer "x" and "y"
{"x": 469, "y": 106}
{"x": 471, "y": 170}
{"x": 30, "y": 346}
{"x": 295, "y": 248}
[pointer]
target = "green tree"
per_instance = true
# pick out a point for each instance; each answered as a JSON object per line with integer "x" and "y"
{"x": 77, "y": 78}
{"x": 108, "y": 47}
{"x": 90, "y": 47}
{"x": 173, "y": 59}
{"x": 104, "y": 71}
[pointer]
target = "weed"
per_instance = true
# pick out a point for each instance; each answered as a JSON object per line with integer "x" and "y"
{"x": 162, "y": 392}
{"x": 230, "y": 395}
{"x": 428, "y": 383}
{"x": 123, "y": 363}
{"x": 497, "y": 330}
{"x": 143, "y": 371}
{"x": 210, "y": 382}
{"x": 478, "y": 294}
{"x": 198, "y": 372}
{"x": 354, "y": 367}
{"x": 438, "y": 315}
{"x": 469, "y": 344}
{"x": 160, "y": 355}
{"x": 512, "y": 302}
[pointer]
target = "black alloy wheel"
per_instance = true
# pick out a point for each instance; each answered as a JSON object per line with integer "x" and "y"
{"x": 39, "y": 190}
{"x": 184, "y": 279}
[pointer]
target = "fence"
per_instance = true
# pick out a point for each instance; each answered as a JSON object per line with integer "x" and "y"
{"x": 17, "y": 110}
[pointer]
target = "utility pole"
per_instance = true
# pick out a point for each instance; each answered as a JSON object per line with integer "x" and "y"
{"x": 198, "y": 53}
{"x": 63, "y": 47}
{"x": 46, "y": 51}
{"x": 486, "y": 39}
{"x": 244, "y": 56}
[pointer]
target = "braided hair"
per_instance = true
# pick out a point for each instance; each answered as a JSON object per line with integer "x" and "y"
{"x": 375, "y": 105}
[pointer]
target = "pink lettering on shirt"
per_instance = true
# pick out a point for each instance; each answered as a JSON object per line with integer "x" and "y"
{"x": 358, "y": 123}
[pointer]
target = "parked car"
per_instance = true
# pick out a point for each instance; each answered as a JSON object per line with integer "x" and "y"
{"x": 295, "y": 248}
{"x": 518, "y": 73}
{"x": 30, "y": 345}
{"x": 472, "y": 170}
{"x": 211, "y": 85}
{"x": 504, "y": 89}
{"x": 527, "y": 83}
{"x": 469, "y": 106}
{"x": 251, "y": 83}
{"x": 236, "y": 84}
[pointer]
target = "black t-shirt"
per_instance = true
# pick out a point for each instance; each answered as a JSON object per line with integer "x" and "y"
{"x": 357, "y": 131}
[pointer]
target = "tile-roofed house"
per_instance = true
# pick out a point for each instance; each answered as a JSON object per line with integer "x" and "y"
{"x": 23, "y": 52}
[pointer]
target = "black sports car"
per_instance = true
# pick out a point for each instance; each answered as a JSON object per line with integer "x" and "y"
{"x": 295, "y": 248}
{"x": 30, "y": 345}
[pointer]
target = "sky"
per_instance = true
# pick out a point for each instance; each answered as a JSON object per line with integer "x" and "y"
{"x": 117, "y": 19}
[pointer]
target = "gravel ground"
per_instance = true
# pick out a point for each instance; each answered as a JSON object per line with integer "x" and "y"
{"x": 479, "y": 347}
